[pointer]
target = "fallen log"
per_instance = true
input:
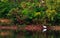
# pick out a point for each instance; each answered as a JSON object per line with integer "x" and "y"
{"x": 5, "y": 20}
{"x": 56, "y": 28}
{"x": 31, "y": 28}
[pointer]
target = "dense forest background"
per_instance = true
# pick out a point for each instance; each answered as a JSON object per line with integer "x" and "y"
{"x": 35, "y": 12}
